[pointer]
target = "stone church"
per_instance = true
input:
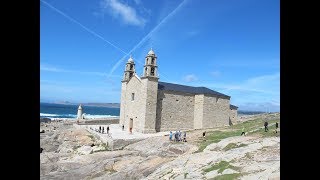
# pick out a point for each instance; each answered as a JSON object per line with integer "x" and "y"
{"x": 149, "y": 105}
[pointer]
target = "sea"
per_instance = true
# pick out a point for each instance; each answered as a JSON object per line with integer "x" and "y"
{"x": 65, "y": 111}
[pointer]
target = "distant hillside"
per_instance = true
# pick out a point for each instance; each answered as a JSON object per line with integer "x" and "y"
{"x": 109, "y": 105}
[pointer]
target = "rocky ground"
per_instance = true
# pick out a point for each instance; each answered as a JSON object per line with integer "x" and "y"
{"x": 70, "y": 153}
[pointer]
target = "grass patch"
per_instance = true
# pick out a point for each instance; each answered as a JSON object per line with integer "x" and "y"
{"x": 105, "y": 148}
{"x": 233, "y": 146}
{"x": 111, "y": 170}
{"x": 216, "y": 136}
{"x": 252, "y": 124}
{"x": 92, "y": 137}
{"x": 75, "y": 147}
{"x": 270, "y": 133}
{"x": 248, "y": 155}
{"x": 221, "y": 166}
{"x": 235, "y": 130}
{"x": 185, "y": 175}
{"x": 228, "y": 176}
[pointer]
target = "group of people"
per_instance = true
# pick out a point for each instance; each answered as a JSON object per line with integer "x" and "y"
{"x": 101, "y": 129}
{"x": 178, "y": 136}
{"x": 266, "y": 129}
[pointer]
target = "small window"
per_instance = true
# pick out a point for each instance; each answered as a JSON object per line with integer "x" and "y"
{"x": 131, "y": 66}
{"x": 152, "y": 71}
{"x": 132, "y": 97}
{"x": 152, "y": 61}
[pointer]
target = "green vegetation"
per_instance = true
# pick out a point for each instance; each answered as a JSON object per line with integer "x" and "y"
{"x": 252, "y": 124}
{"x": 233, "y": 145}
{"x": 248, "y": 155}
{"x": 216, "y": 136}
{"x": 111, "y": 170}
{"x": 227, "y": 176}
{"x": 185, "y": 175}
{"x": 91, "y": 136}
{"x": 221, "y": 166}
{"x": 235, "y": 130}
{"x": 105, "y": 148}
{"x": 75, "y": 147}
{"x": 270, "y": 133}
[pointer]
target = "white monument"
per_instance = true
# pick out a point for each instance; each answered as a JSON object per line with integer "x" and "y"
{"x": 79, "y": 115}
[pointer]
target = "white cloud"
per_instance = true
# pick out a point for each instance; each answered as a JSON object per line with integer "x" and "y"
{"x": 192, "y": 33}
{"x": 137, "y": 2}
{"x": 262, "y": 79}
{"x": 148, "y": 36}
{"x": 256, "y": 93}
{"x": 44, "y": 67}
{"x": 269, "y": 84}
{"x": 264, "y": 107}
{"x": 123, "y": 11}
{"x": 49, "y": 68}
{"x": 215, "y": 73}
{"x": 190, "y": 78}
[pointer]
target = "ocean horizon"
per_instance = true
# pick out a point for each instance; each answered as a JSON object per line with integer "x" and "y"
{"x": 66, "y": 111}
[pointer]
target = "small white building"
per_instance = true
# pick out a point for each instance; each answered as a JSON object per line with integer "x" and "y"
{"x": 80, "y": 113}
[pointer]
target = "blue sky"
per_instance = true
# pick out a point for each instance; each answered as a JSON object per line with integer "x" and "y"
{"x": 230, "y": 46}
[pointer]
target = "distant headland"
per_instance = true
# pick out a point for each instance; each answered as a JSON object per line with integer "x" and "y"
{"x": 109, "y": 105}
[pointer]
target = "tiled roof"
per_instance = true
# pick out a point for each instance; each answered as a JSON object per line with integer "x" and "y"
{"x": 188, "y": 89}
{"x": 233, "y": 106}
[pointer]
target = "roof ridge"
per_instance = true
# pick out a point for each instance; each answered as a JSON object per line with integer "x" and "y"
{"x": 189, "y": 89}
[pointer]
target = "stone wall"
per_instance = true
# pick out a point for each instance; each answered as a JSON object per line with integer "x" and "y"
{"x": 198, "y": 111}
{"x": 216, "y": 111}
{"x": 122, "y": 102}
{"x": 133, "y": 109}
{"x": 175, "y": 111}
{"x": 149, "y": 104}
{"x": 233, "y": 115}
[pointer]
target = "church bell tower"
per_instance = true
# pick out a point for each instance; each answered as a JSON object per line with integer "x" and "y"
{"x": 150, "y": 67}
{"x": 129, "y": 70}
{"x": 128, "y": 73}
{"x": 149, "y": 93}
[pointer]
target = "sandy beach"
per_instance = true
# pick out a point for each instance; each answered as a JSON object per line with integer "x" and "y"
{"x": 72, "y": 151}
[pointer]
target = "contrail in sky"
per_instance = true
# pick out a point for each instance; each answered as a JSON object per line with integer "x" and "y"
{"x": 84, "y": 27}
{"x": 100, "y": 37}
{"x": 147, "y": 36}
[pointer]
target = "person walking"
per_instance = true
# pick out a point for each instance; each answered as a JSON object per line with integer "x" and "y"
{"x": 102, "y": 130}
{"x": 277, "y": 125}
{"x": 108, "y": 129}
{"x": 185, "y": 137}
{"x": 122, "y": 127}
{"x": 243, "y": 133}
{"x": 176, "y": 136}
{"x": 170, "y": 136}
{"x": 99, "y": 129}
{"x": 266, "y": 126}
{"x": 204, "y": 134}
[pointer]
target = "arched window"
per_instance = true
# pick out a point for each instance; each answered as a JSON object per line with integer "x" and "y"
{"x": 152, "y": 71}
{"x": 131, "y": 66}
{"x": 130, "y": 75}
{"x": 152, "y": 61}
